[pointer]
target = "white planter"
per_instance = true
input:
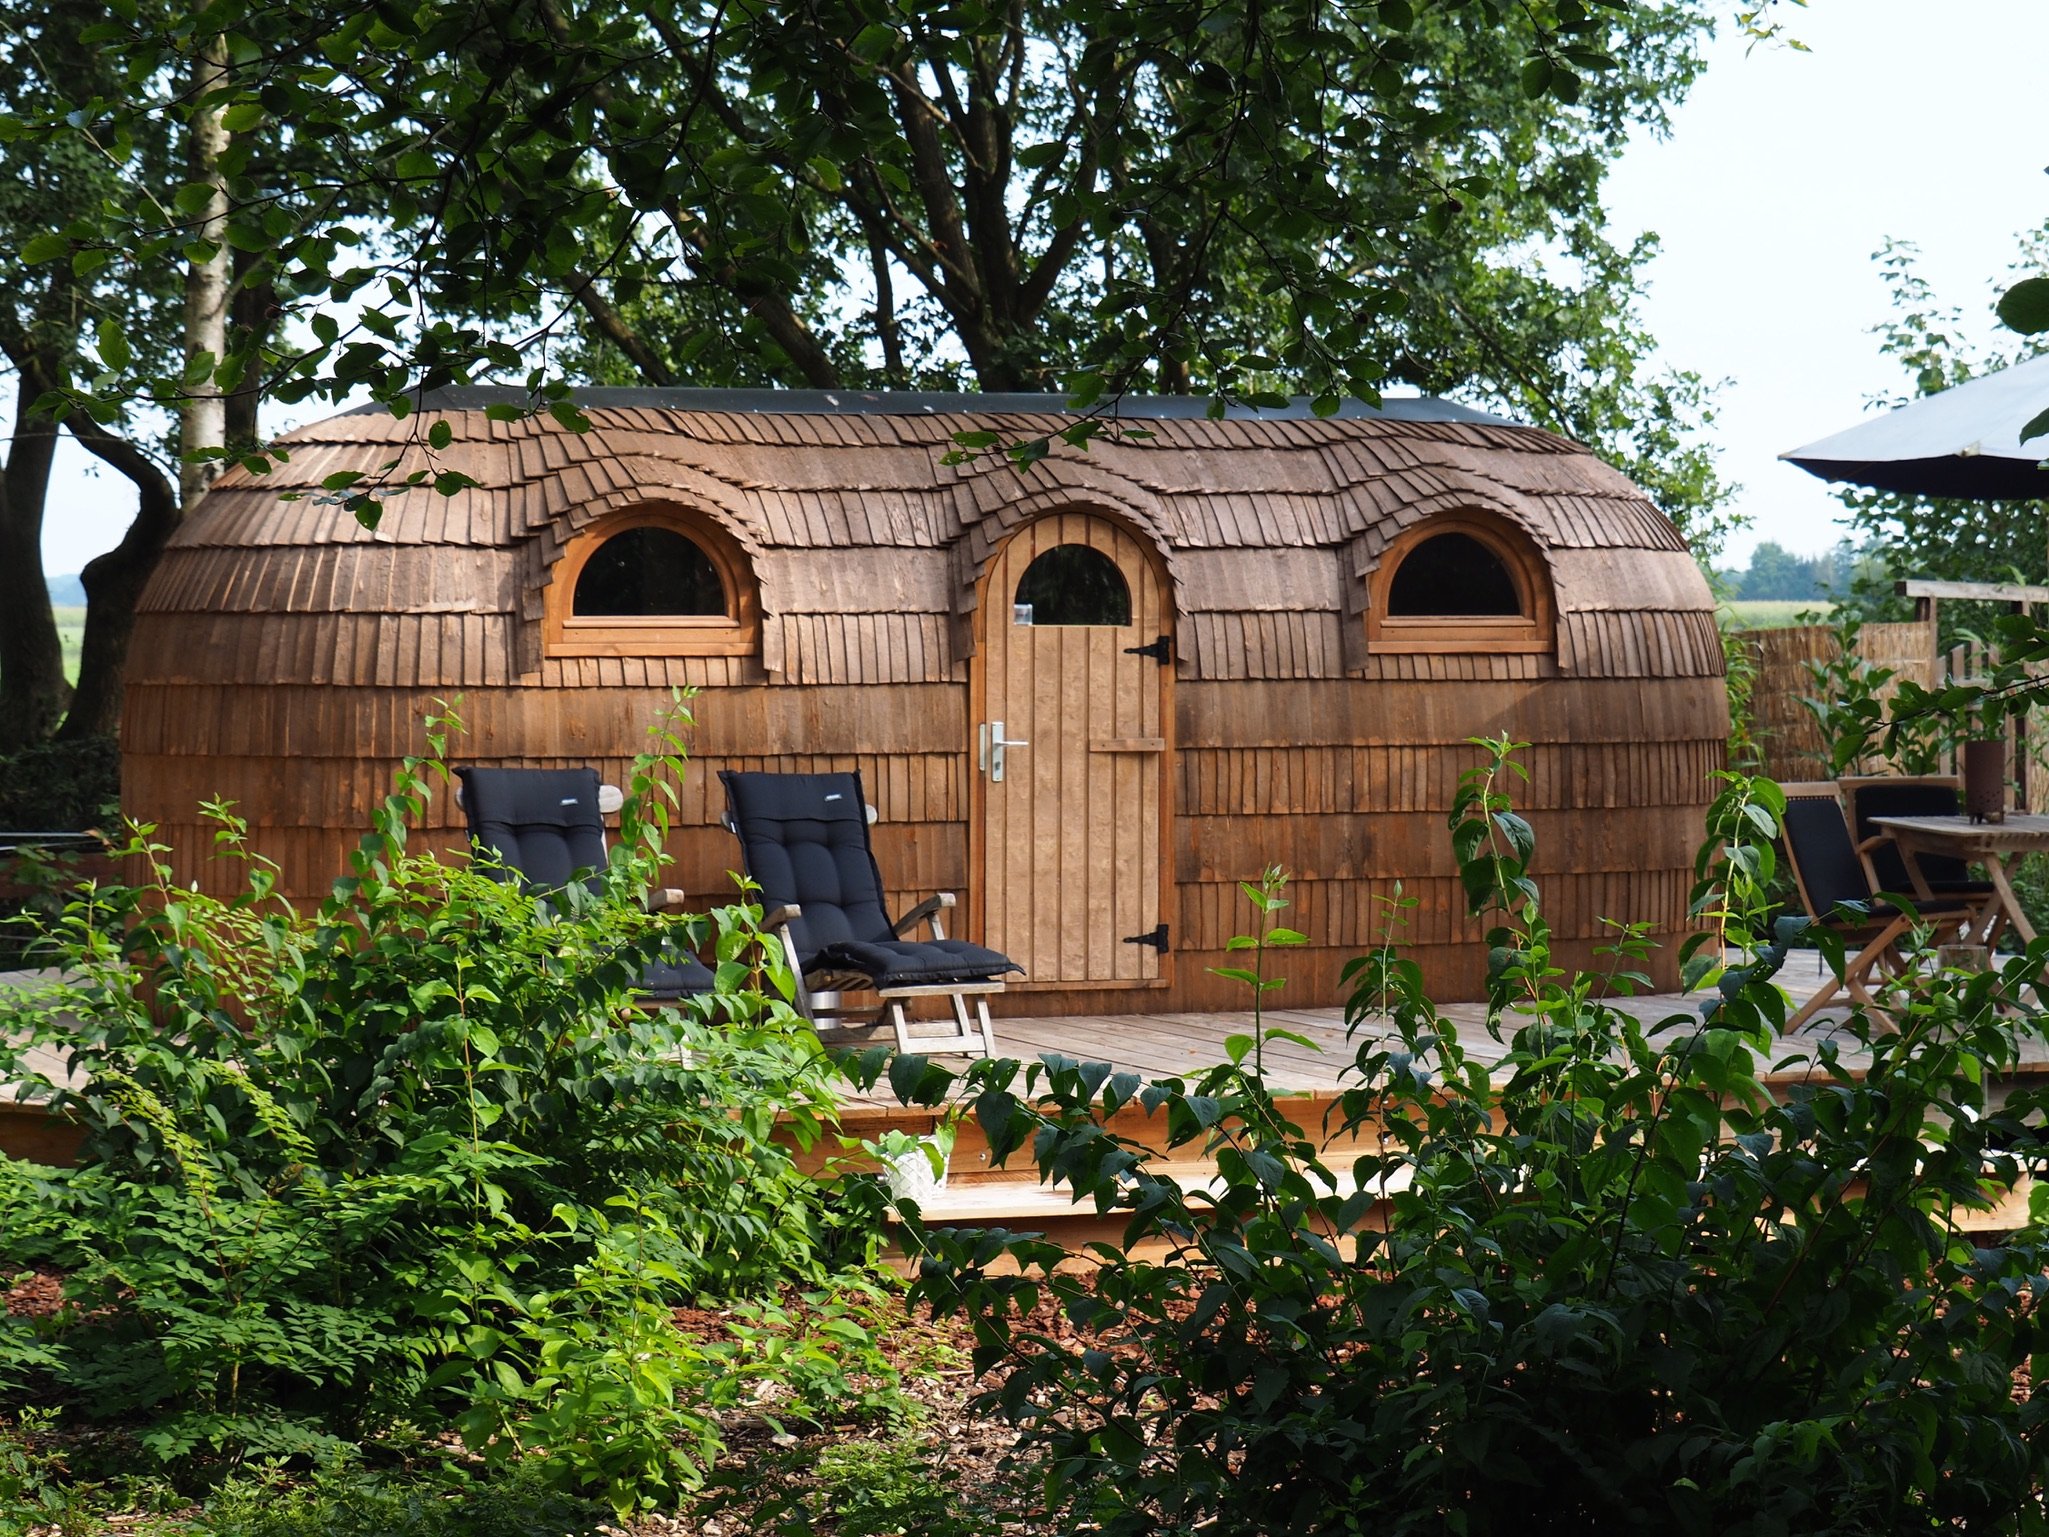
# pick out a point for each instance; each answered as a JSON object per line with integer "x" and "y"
{"x": 910, "y": 1175}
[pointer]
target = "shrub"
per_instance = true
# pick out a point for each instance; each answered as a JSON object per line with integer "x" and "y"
{"x": 422, "y": 1156}
{"x": 1611, "y": 1279}
{"x": 349, "y": 1501}
{"x": 60, "y": 786}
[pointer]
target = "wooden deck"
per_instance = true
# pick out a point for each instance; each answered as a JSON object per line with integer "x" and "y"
{"x": 1180, "y": 1045}
{"x": 1158, "y": 1046}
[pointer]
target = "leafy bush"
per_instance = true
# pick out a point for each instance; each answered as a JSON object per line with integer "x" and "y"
{"x": 60, "y": 786}
{"x": 1612, "y": 1279}
{"x": 347, "y": 1501}
{"x": 422, "y": 1156}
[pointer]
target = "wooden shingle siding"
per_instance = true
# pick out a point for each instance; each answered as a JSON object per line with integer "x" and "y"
{"x": 285, "y": 656}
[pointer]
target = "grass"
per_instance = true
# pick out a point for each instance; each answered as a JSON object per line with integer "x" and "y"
{"x": 1770, "y": 613}
{"x": 71, "y": 631}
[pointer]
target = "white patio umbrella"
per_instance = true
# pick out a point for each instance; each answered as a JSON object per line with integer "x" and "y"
{"x": 1962, "y": 442}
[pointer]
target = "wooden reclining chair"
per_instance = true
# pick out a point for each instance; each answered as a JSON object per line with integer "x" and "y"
{"x": 546, "y": 828}
{"x": 804, "y": 841}
{"x": 1889, "y": 867}
{"x": 1831, "y": 875}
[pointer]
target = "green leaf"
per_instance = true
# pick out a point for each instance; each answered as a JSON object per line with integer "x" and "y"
{"x": 192, "y": 197}
{"x": 2036, "y": 427}
{"x": 45, "y": 247}
{"x": 1276, "y": 1033}
{"x": 2025, "y": 306}
{"x": 875, "y": 41}
{"x": 113, "y": 344}
{"x": 242, "y": 116}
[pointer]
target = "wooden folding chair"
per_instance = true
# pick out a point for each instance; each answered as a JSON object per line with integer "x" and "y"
{"x": 804, "y": 839}
{"x": 1834, "y": 885}
{"x": 1924, "y": 877}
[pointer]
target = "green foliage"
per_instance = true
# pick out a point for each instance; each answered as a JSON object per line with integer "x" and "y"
{"x": 876, "y": 1489}
{"x": 1611, "y": 1279}
{"x": 33, "y": 1490}
{"x": 1248, "y": 200}
{"x": 60, "y": 786}
{"x": 1739, "y": 676}
{"x": 349, "y": 1501}
{"x": 1849, "y": 707}
{"x": 1776, "y": 574}
{"x": 893, "y": 1485}
{"x": 421, "y": 1155}
{"x": 1955, "y": 540}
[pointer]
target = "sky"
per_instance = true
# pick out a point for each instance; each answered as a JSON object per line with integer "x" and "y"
{"x": 1784, "y": 172}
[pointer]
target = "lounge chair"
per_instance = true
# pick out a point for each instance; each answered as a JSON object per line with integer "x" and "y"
{"x": 1837, "y": 893}
{"x": 804, "y": 842}
{"x": 547, "y": 829}
{"x": 1889, "y": 867}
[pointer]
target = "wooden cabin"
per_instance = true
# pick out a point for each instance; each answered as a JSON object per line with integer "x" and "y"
{"x": 1090, "y": 696}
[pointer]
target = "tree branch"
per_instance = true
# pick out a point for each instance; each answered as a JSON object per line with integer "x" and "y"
{"x": 615, "y": 329}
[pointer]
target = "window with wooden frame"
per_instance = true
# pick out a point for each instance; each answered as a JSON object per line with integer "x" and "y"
{"x": 656, "y": 581}
{"x": 1460, "y": 582}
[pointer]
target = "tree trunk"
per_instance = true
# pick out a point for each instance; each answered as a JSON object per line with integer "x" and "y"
{"x": 114, "y": 582}
{"x": 203, "y": 419}
{"x": 32, "y": 688}
{"x": 252, "y": 312}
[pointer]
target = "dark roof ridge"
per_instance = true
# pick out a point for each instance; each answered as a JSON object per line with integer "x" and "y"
{"x": 1405, "y": 408}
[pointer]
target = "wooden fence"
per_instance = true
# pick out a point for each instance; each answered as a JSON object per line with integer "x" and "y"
{"x": 1790, "y": 736}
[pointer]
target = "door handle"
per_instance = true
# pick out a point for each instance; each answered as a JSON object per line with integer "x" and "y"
{"x": 992, "y": 744}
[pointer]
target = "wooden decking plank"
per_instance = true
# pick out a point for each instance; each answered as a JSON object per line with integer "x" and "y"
{"x": 1089, "y": 1038}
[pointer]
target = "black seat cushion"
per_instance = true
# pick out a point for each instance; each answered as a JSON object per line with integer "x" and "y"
{"x": 804, "y": 838}
{"x": 544, "y": 824}
{"x": 805, "y": 841}
{"x": 679, "y": 974}
{"x": 546, "y": 829}
{"x": 913, "y": 963}
{"x": 1819, "y": 840}
{"x": 1944, "y": 873}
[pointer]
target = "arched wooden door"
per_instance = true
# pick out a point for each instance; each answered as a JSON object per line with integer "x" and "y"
{"x": 1072, "y": 667}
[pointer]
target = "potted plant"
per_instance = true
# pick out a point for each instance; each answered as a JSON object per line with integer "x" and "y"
{"x": 1974, "y": 714}
{"x": 915, "y": 1166}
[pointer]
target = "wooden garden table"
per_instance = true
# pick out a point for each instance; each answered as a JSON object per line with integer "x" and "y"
{"x": 1990, "y": 844}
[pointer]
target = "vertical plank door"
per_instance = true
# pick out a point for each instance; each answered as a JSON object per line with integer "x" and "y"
{"x": 1071, "y": 834}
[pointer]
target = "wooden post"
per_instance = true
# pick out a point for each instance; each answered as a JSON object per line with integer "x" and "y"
{"x": 2020, "y": 739}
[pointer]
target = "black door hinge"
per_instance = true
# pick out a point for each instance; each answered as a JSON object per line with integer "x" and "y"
{"x": 1161, "y": 651}
{"x": 1157, "y": 939}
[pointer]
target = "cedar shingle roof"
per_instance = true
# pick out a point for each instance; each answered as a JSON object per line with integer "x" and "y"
{"x": 1268, "y": 529}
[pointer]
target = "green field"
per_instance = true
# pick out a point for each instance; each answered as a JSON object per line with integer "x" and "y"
{"x": 71, "y": 630}
{"x": 1769, "y": 613}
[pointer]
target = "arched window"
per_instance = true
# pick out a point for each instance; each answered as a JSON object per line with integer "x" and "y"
{"x": 1460, "y": 582}
{"x": 1072, "y": 584}
{"x": 649, "y": 571}
{"x": 656, "y": 581}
